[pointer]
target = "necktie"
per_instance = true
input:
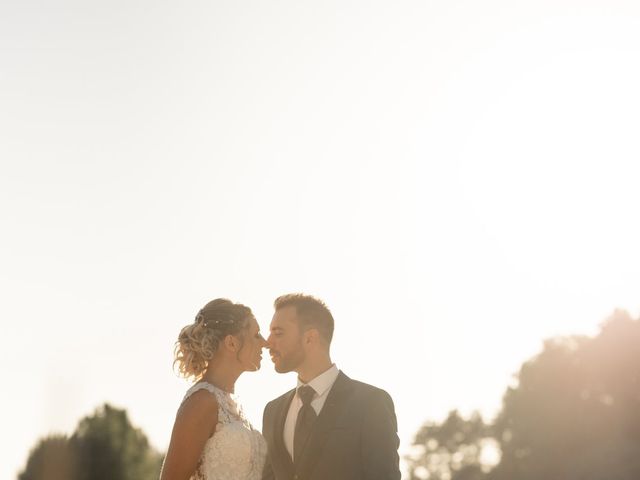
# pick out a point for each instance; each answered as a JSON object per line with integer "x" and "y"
{"x": 304, "y": 422}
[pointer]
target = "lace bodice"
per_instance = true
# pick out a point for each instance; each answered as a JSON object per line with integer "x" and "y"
{"x": 236, "y": 451}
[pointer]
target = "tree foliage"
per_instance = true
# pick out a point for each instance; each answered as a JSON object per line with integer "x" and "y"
{"x": 451, "y": 450}
{"x": 51, "y": 459}
{"x": 104, "y": 446}
{"x": 110, "y": 448}
{"x": 574, "y": 415}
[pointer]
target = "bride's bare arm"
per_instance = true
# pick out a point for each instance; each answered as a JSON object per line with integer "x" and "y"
{"x": 195, "y": 423}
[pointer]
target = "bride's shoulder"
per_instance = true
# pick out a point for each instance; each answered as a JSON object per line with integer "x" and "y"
{"x": 199, "y": 399}
{"x": 197, "y": 416}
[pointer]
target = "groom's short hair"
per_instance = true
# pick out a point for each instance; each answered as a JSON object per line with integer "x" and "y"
{"x": 311, "y": 312}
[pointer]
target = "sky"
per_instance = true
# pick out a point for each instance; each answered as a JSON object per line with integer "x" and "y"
{"x": 456, "y": 179}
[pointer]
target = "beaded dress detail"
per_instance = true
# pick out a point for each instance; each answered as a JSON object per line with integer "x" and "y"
{"x": 236, "y": 451}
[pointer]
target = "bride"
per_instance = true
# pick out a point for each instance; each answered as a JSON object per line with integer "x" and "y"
{"x": 211, "y": 438}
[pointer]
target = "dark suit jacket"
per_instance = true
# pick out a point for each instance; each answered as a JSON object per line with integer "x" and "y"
{"x": 354, "y": 437}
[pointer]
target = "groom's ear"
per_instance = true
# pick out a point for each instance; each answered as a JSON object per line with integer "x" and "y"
{"x": 311, "y": 336}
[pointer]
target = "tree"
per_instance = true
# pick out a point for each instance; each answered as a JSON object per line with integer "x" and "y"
{"x": 575, "y": 413}
{"x": 109, "y": 448}
{"x": 105, "y": 446}
{"x": 51, "y": 459}
{"x": 451, "y": 450}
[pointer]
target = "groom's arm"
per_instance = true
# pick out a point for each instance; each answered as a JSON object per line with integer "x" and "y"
{"x": 267, "y": 472}
{"x": 380, "y": 439}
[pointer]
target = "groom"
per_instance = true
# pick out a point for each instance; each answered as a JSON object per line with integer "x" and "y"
{"x": 330, "y": 427}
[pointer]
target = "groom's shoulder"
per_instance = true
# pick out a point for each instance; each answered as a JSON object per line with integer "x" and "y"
{"x": 367, "y": 390}
{"x": 281, "y": 398}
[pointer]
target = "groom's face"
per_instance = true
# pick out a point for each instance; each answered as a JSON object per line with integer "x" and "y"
{"x": 285, "y": 340}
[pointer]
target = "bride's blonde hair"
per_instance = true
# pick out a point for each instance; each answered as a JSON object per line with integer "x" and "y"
{"x": 198, "y": 341}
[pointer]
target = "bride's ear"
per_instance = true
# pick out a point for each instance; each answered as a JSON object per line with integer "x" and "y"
{"x": 231, "y": 343}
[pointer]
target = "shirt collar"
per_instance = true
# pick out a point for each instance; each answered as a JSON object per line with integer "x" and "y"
{"x": 324, "y": 381}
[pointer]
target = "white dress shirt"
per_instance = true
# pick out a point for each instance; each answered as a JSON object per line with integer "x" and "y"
{"x": 322, "y": 385}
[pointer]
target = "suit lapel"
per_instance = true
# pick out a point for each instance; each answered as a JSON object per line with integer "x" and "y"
{"x": 282, "y": 454}
{"x": 329, "y": 414}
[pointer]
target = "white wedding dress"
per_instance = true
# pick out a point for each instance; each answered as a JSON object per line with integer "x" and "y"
{"x": 236, "y": 451}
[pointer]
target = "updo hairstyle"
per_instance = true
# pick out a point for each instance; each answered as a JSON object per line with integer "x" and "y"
{"x": 198, "y": 341}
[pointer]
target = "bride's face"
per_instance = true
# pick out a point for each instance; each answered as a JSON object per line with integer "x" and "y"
{"x": 250, "y": 355}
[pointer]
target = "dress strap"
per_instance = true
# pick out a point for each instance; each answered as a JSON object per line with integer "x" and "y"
{"x": 202, "y": 386}
{"x": 226, "y": 406}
